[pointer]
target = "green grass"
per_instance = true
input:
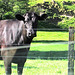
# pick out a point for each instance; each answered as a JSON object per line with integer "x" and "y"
{"x": 53, "y": 36}
{"x": 46, "y": 67}
{"x": 49, "y": 44}
{"x": 40, "y": 67}
{"x": 50, "y": 41}
{"x": 47, "y": 49}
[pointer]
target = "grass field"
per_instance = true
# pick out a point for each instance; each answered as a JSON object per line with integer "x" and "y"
{"x": 47, "y": 55}
{"x": 40, "y": 67}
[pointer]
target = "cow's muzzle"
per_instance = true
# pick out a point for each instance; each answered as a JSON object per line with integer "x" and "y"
{"x": 31, "y": 33}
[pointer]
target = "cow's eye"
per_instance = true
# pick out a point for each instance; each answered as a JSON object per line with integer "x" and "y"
{"x": 33, "y": 19}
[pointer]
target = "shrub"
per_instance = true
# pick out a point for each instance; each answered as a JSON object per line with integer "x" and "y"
{"x": 8, "y": 15}
{"x": 66, "y": 23}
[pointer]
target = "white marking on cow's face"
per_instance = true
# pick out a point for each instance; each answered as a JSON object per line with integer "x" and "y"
{"x": 30, "y": 24}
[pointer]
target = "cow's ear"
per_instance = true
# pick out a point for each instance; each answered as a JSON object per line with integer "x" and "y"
{"x": 19, "y": 17}
{"x": 42, "y": 17}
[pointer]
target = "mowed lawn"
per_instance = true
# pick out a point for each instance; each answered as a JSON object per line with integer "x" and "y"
{"x": 47, "y": 55}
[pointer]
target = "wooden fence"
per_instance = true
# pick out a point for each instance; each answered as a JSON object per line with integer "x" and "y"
{"x": 71, "y": 52}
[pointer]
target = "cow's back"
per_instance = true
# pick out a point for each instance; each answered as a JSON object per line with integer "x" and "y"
{"x": 9, "y": 30}
{"x": 8, "y": 33}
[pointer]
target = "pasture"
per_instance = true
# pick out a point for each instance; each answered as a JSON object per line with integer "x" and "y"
{"x": 47, "y": 55}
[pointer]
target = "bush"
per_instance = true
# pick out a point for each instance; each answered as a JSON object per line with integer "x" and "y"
{"x": 66, "y": 23}
{"x": 8, "y": 15}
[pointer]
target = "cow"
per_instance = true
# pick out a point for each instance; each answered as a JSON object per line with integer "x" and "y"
{"x": 15, "y": 33}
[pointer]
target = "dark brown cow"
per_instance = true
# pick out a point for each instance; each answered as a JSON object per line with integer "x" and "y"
{"x": 14, "y": 33}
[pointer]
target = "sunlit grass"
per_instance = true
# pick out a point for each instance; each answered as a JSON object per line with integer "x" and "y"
{"x": 55, "y": 36}
{"x": 41, "y": 67}
{"x": 46, "y": 44}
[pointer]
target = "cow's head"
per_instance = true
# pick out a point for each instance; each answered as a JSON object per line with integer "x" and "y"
{"x": 30, "y": 22}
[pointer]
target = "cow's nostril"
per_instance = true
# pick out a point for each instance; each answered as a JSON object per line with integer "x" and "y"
{"x": 29, "y": 34}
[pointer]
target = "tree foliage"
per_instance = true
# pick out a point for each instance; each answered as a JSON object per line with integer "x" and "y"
{"x": 54, "y": 9}
{"x": 58, "y": 13}
{"x": 11, "y": 7}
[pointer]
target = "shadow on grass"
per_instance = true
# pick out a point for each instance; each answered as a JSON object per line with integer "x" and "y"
{"x": 50, "y": 55}
{"x": 15, "y": 67}
{"x": 48, "y": 41}
{"x": 2, "y": 66}
{"x": 45, "y": 55}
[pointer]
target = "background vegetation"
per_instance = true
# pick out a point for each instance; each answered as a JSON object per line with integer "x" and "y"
{"x": 49, "y": 50}
{"x": 60, "y": 13}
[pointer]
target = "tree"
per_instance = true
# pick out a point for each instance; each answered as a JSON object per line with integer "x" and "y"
{"x": 12, "y": 6}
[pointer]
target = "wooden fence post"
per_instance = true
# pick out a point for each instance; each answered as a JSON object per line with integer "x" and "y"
{"x": 71, "y": 52}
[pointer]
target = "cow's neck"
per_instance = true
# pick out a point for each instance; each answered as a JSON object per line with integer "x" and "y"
{"x": 27, "y": 40}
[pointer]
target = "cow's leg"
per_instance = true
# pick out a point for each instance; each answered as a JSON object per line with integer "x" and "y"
{"x": 7, "y": 60}
{"x": 20, "y": 68}
{"x": 7, "y": 69}
{"x": 22, "y": 61}
{"x": 7, "y": 56}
